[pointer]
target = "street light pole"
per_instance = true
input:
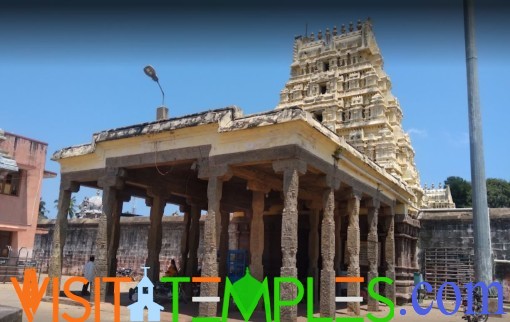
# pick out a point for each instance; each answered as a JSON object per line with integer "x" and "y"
{"x": 481, "y": 223}
{"x": 162, "y": 111}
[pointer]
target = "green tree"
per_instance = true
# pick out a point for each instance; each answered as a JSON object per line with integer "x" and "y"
{"x": 42, "y": 209}
{"x": 460, "y": 190}
{"x": 498, "y": 193}
{"x": 71, "y": 212}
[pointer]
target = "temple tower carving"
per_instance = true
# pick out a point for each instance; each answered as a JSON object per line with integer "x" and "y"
{"x": 339, "y": 78}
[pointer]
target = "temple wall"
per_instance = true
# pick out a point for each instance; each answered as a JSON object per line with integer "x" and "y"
{"x": 446, "y": 246}
{"x": 132, "y": 253}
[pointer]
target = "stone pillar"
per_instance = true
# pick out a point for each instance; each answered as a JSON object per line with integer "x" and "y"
{"x": 185, "y": 237}
{"x": 216, "y": 175}
{"x": 353, "y": 247}
{"x": 373, "y": 250}
{"x": 210, "y": 265}
{"x": 257, "y": 235}
{"x": 338, "y": 243}
{"x": 327, "y": 300}
{"x": 60, "y": 233}
{"x": 194, "y": 237}
{"x": 233, "y": 235}
{"x": 313, "y": 248}
{"x": 111, "y": 182}
{"x": 115, "y": 238}
{"x": 291, "y": 170}
{"x": 223, "y": 247}
{"x": 157, "y": 202}
{"x": 414, "y": 254}
{"x": 389, "y": 255}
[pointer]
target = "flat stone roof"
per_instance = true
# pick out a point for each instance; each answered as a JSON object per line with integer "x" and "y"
{"x": 229, "y": 119}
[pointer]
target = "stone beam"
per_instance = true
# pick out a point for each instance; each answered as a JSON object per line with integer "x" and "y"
{"x": 234, "y": 199}
{"x": 264, "y": 179}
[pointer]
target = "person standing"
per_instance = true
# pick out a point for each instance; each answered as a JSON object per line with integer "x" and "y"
{"x": 89, "y": 274}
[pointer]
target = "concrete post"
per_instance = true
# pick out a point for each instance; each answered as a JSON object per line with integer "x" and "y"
{"x": 155, "y": 233}
{"x": 481, "y": 223}
{"x": 353, "y": 247}
{"x": 291, "y": 170}
{"x": 60, "y": 233}
{"x": 327, "y": 299}
{"x": 373, "y": 250}
{"x": 257, "y": 235}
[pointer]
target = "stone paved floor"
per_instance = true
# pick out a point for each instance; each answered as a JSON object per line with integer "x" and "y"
{"x": 44, "y": 313}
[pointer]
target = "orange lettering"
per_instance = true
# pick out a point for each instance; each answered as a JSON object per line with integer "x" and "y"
{"x": 76, "y": 298}
{"x": 30, "y": 296}
{"x": 116, "y": 293}
{"x": 56, "y": 295}
{"x": 97, "y": 299}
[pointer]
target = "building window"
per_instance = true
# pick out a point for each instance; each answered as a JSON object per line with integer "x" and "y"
{"x": 145, "y": 290}
{"x": 318, "y": 116}
{"x": 326, "y": 67}
{"x": 10, "y": 184}
{"x": 323, "y": 88}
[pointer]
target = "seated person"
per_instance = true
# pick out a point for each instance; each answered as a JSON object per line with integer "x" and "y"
{"x": 172, "y": 269}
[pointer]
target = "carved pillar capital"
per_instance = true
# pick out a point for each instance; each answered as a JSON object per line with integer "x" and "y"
{"x": 373, "y": 202}
{"x": 68, "y": 185}
{"x": 157, "y": 192}
{"x": 331, "y": 181}
{"x": 280, "y": 166}
{"x": 207, "y": 170}
{"x": 113, "y": 178}
{"x": 355, "y": 194}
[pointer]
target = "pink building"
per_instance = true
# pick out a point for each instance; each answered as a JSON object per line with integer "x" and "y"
{"x": 22, "y": 162}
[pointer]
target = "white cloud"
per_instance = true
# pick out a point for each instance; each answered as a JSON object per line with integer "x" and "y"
{"x": 417, "y": 132}
{"x": 458, "y": 140}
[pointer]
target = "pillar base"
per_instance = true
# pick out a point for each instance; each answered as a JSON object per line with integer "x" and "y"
{"x": 373, "y": 304}
{"x": 390, "y": 290}
{"x": 327, "y": 300}
{"x": 288, "y": 291}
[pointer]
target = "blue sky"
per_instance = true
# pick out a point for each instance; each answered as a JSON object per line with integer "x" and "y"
{"x": 66, "y": 73}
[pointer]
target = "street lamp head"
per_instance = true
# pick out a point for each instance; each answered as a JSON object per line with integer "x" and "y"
{"x": 149, "y": 71}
